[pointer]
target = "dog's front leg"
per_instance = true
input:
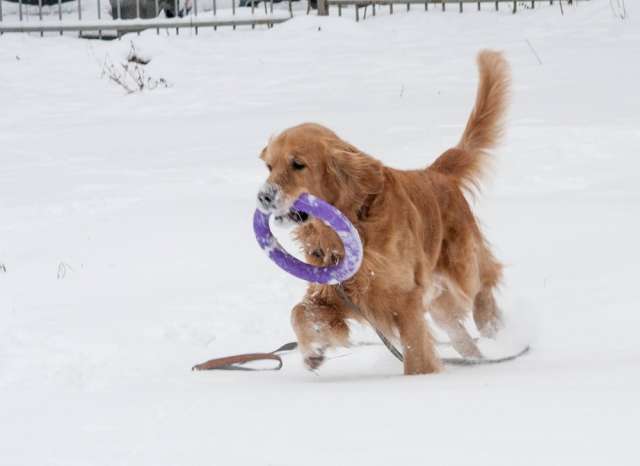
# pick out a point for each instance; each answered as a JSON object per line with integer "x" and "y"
{"x": 418, "y": 345}
{"x": 318, "y": 327}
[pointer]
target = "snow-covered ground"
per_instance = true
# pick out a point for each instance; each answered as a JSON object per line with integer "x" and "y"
{"x": 127, "y": 251}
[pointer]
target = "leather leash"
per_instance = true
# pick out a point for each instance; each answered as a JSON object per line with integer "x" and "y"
{"x": 237, "y": 362}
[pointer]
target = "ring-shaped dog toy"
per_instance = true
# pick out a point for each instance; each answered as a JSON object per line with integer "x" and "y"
{"x": 333, "y": 218}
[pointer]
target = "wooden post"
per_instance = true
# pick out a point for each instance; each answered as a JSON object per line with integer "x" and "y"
{"x": 323, "y": 8}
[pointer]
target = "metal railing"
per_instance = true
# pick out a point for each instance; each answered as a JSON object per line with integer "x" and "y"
{"x": 444, "y": 5}
{"x": 112, "y": 18}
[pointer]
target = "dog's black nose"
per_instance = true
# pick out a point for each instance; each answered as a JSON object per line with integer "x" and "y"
{"x": 265, "y": 199}
{"x": 267, "y": 196}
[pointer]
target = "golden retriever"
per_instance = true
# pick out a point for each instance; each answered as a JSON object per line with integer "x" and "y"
{"x": 423, "y": 249}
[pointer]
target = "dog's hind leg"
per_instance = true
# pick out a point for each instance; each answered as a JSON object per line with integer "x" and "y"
{"x": 486, "y": 313}
{"x": 449, "y": 313}
{"x": 318, "y": 327}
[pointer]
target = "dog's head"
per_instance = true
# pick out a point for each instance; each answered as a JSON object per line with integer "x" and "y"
{"x": 311, "y": 158}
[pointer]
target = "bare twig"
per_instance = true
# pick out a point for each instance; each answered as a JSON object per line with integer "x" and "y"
{"x": 131, "y": 76}
{"x": 110, "y": 70}
{"x": 135, "y": 57}
{"x": 618, "y": 8}
{"x": 534, "y": 51}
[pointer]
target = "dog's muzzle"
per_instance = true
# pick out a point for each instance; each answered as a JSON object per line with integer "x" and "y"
{"x": 271, "y": 201}
{"x": 269, "y": 198}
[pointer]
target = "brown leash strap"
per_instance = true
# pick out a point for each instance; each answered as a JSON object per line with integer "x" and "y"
{"x": 236, "y": 363}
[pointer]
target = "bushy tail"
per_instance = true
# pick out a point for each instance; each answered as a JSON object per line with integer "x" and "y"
{"x": 468, "y": 160}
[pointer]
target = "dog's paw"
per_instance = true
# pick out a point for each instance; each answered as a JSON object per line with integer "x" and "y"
{"x": 314, "y": 359}
{"x": 284, "y": 221}
{"x": 313, "y": 362}
{"x": 492, "y": 328}
{"x": 291, "y": 218}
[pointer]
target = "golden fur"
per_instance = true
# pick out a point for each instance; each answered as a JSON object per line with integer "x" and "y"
{"x": 423, "y": 249}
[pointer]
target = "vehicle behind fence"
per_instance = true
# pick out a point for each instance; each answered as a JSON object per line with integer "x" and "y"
{"x": 112, "y": 18}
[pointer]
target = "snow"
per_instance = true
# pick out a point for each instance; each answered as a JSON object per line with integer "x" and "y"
{"x": 144, "y": 202}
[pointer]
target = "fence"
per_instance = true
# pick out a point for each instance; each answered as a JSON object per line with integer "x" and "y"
{"x": 443, "y": 4}
{"x": 112, "y": 18}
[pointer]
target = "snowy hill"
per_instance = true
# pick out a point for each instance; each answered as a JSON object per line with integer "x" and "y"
{"x": 128, "y": 254}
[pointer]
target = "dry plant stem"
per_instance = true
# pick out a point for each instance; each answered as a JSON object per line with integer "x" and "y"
{"x": 618, "y": 8}
{"x": 131, "y": 76}
{"x": 534, "y": 51}
{"x": 134, "y": 57}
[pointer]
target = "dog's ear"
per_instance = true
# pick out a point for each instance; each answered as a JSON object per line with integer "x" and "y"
{"x": 358, "y": 174}
{"x": 263, "y": 152}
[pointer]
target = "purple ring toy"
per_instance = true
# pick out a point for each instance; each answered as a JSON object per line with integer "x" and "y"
{"x": 331, "y": 216}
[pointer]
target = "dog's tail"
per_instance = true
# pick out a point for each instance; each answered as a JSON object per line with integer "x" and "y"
{"x": 468, "y": 160}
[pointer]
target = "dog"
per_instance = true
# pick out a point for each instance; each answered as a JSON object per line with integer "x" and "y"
{"x": 424, "y": 252}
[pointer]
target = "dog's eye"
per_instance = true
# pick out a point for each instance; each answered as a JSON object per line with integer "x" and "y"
{"x": 269, "y": 167}
{"x": 297, "y": 165}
